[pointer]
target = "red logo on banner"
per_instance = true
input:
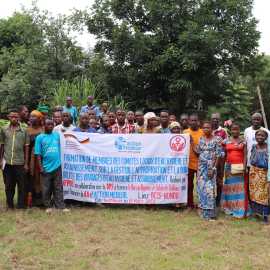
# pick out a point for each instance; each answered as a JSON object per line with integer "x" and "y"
{"x": 178, "y": 143}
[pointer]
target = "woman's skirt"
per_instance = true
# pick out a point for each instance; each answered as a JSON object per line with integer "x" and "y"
{"x": 258, "y": 191}
{"x": 234, "y": 194}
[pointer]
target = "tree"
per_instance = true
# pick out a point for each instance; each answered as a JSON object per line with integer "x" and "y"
{"x": 35, "y": 53}
{"x": 156, "y": 49}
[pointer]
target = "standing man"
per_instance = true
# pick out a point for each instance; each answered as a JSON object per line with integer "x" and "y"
{"x": 195, "y": 134}
{"x": 24, "y": 115}
{"x": 221, "y": 133}
{"x": 71, "y": 109}
{"x": 184, "y": 121}
{"x": 66, "y": 124}
{"x": 15, "y": 153}
{"x": 139, "y": 125}
{"x": 112, "y": 118}
{"x": 131, "y": 117}
{"x": 90, "y": 106}
{"x": 122, "y": 126}
{"x": 47, "y": 150}
{"x": 164, "y": 122}
{"x": 249, "y": 134}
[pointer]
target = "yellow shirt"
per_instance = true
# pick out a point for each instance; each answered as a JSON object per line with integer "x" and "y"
{"x": 193, "y": 158}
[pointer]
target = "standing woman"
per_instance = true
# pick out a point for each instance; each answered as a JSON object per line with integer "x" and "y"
{"x": 258, "y": 184}
{"x": 234, "y": 199}
{"x": 34, "y": 184}
{"x": 209, "y": 151}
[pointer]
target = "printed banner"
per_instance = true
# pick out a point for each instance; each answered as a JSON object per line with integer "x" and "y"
{"x": 125, "y": 169}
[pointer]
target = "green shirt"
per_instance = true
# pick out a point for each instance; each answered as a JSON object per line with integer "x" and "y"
{"x": 14, "y": 141}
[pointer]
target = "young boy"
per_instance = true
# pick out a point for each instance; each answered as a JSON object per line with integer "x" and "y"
{"x": 15, "y": 153}
{"x": 47, "y": 150}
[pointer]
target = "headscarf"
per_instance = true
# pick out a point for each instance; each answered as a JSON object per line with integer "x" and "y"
{"x": 37, "y": 114}
{"x": 43, "y": 108}
{"x": 174, "y": 124}
{"x": 148, "y": 116}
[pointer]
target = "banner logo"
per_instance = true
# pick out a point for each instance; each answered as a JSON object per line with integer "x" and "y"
{"x": 177, "y": 143}
{"x": 124, "y": 145}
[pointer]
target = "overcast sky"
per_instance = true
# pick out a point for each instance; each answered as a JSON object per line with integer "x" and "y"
{"x": 261, "y": 12}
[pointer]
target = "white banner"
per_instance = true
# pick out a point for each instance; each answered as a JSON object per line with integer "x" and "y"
{"x": 125, "y": 169}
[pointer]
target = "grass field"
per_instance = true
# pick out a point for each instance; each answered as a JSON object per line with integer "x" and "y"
{"x": 114, "y": 238}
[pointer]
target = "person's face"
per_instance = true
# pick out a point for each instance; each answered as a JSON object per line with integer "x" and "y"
{"x": 130, "y": 116}
{"x": 207, "y": 129}
{"x": 84, "y": 120}
{"x": 235, "y": 131}
{"x": 172, "y": 118}
{"x": 157, "y": 122}
{"x": 139, "y": 118}
{"x": 121, "y": 117}
{"x": 49, "y": 126}
{"x": 66, "y": 118}
{"x": 105, "y": 121}
{"x": 93, "y": 123}
{"x": 69, "y": 102}
{"x": 215, "y": 119}
{"x": 104, "y": 107}
{"x": 184, "y": 121}
{"x": 92, "y": 114}
{"x": 118, "y": 112}
{"x": 260, "y": 137}
{"x": 33, "y": 120}
{"x": 164, "y": 118}
{"x": 14, "y": 118}
{"x": 151, "y": 122}
{"x": 176, "y": 130}
{"x": 24, "y": 114}
{"x": 256, "y": 121}
{"x": 90, "y": 100}
{"x": 57, "y": 118}
{"x": 193, "y": 122}
{"x": 111, "y": 118}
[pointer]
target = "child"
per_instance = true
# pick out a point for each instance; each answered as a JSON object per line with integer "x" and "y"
{"x": 47, "y": 150}
{"x": 258, "y": 185}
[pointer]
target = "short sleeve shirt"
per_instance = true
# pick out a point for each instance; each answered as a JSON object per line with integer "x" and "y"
{"x": 48, "y": 147}
{"x": 14, "y": 141}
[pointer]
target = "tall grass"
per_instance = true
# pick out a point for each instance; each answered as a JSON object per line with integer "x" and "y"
{"x": 79, "y": 89}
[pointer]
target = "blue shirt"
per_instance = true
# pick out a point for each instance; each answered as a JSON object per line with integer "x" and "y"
{"x": 48, "y": 147}
{"x": 86, "y": 109}
{"x": 89, "y": 130}
{"x": 73, "y": 112}
{"x": 165, "y": 130}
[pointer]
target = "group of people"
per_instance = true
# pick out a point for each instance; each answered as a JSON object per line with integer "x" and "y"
{"x": 230, "y": 170}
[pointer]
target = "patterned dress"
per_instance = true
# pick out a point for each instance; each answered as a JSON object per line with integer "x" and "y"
{"x": 209, "y": 151}
{"x": 234, "y": 193}
{"x": 258, "y": 185}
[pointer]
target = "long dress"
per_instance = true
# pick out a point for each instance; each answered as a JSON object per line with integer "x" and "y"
{"x": 234, "y": 194}
{"x": 209, "y": 151}
{"x": 258, "y": 185}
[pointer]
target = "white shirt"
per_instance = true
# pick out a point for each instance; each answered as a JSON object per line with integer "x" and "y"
{"x": 62, "y": 129}
{"x": 249, "y": 135}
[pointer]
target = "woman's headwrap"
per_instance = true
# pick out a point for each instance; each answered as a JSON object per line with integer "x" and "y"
{"x": 37, "y": 114}
{"x": 148, "y": 116}
{"x": 43, "y": 108}
{"x": 174, "y": 124}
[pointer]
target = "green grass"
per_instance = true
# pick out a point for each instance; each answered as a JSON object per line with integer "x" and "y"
{"x": 129, "y": 239}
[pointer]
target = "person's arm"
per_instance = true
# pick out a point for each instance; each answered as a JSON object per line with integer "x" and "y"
{"x": 38, "y": 153}
{"x": 26, "y": 151}
{"x": 245, "y": 158}
{"x": 39, "y": 160}
{"x": 1, "y": 147}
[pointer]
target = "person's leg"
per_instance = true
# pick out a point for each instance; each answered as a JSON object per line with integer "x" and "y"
{"x": 10, "y": 184}
{"x": 58, "y": 189}
{"x": 191, "y": 173}
{"x": 46, "y": 189}
{"x": 220, "y": 176}
{"x": 19, "y": 175}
